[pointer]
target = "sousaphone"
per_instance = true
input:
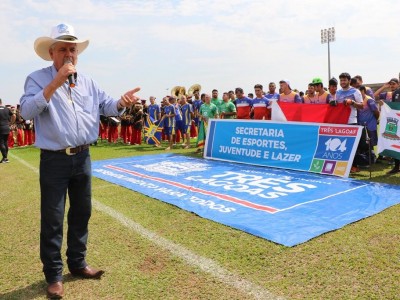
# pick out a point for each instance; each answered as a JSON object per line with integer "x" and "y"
{"x": 194, "y": 88}
{"x": 175, "y": 91}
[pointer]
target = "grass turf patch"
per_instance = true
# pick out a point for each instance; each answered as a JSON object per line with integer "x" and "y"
{"x": 360, "y": 260}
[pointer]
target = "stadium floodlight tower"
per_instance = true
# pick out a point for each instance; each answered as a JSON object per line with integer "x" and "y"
{"x": 328, "y": 36}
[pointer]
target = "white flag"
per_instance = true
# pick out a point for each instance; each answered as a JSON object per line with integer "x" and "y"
{"x": 389, "y": 135}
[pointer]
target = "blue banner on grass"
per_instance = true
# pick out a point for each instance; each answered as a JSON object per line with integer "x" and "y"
{"x": 286, "y": 207}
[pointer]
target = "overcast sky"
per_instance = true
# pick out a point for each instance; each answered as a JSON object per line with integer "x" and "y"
{"x": 218, "y": 44}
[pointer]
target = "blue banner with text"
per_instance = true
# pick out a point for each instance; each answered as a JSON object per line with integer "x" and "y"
{"x": 311, "y": 147}
{"x": 284, "y": 206}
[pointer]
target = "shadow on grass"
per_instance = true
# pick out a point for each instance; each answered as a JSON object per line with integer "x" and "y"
{"x": 33, "y": 291}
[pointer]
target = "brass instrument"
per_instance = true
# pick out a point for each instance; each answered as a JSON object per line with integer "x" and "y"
{"x": 178, "y": 91}
{"x": 194, "y": 88}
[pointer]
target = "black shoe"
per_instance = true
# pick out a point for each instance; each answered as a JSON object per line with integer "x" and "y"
{"x": 394, "y": 170}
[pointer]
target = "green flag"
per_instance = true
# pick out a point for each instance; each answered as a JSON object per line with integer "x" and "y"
{"x": 201, "y": 138}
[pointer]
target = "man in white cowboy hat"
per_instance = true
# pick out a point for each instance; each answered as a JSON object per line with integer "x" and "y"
{"x": 66, "y": 108}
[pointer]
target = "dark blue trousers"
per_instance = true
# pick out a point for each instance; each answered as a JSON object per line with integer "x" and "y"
{"x": 61, "y": 174}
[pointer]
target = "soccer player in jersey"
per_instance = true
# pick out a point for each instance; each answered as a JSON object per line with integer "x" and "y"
{"x": 243, "y": 104}
{"x": 287, "y": 95}
{"x": 349, "y": 96}
{"x": 215, "y": 100}
{"x": 197, "y": 102}
{"x": 260, "y": 104}
{"x": 154, "y": 110}
{"x": 187, "y": 114}
{"x": 227, "y": 108}
{"x": 178, "y": 121}
{"x": 310, "y": 97}
{"x": 169, "y": 121}
{"x": 323, "y": 97}
{"x": 208, "y": 110}
{"x": 272, "y": 95}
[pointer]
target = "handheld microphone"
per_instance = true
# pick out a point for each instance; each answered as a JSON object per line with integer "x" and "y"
{"x": 71, "y": 77}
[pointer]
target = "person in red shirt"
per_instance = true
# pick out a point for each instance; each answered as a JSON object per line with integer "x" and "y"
{"x": 243, "y": 104}
{"x": 260, "y": 104}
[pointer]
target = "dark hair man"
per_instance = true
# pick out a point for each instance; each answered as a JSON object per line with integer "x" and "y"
{"x": 243, "y": 104}
{"x": 287, "y": 95}
{"x": 332, "y": 88}
{"x": 349, "y": 96}
{"x": 360, "y": 82}
{"x": 215, "y": 100}
{"x": 323, "y": 96}
{"x": 382, "y": 96}
{"x": 227, "y": 108}
{"x": 260, "y": 104}
{"x": 272, "y": 95}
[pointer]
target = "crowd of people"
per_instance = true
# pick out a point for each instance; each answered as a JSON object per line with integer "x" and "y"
{"x": 181, "y": 115}
{"x": 14, "y": 130}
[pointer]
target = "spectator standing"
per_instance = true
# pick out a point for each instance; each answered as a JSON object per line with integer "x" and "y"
{"x": 323, "y": 97}
{"x": 287, "y": 95}
{"x": 6, "y": 117}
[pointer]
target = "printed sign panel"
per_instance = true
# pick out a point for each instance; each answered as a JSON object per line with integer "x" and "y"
{"x": 310, "y": 147}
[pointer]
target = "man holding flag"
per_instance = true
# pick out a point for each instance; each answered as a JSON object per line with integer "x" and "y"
{"x": 207, "y": 111}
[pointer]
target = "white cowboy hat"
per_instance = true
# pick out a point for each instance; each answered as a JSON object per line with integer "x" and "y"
{"x": 60, "y": 33}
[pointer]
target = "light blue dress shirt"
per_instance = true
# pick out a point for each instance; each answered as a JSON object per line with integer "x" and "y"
{"x": 71, "y": 117}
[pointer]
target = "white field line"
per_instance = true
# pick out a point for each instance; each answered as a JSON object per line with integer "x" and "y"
{"x": 207, "y": 265}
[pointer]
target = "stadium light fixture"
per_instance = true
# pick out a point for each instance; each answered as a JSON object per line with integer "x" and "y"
{"x": 328, "y": 36}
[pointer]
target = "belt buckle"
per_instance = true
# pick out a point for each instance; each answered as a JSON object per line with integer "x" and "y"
{"x": 68, "y": 151}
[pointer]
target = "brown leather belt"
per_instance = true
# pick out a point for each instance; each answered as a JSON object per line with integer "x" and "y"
{"x": 69, "y": 150}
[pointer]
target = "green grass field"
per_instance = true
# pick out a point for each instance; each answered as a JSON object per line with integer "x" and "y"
{"x": 153, "y": 250}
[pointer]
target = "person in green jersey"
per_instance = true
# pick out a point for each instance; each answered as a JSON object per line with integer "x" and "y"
{"x": 227, "y": 108}
{"x": 208, "y": 109}
{"x": 215, "y": 100}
